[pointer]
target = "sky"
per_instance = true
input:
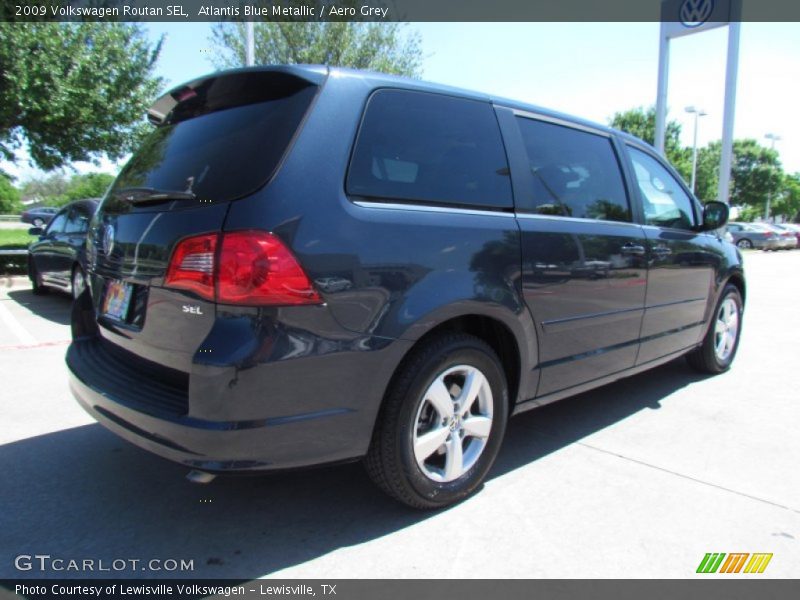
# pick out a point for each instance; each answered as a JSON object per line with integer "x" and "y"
{"x": 590, "y": 70}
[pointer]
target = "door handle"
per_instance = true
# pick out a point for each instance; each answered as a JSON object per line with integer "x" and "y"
{"x": 632, "y": 250}
{"x": 661, "y": 251}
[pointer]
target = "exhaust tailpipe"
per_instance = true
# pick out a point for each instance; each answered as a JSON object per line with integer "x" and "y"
{"x": 196, "y": 476}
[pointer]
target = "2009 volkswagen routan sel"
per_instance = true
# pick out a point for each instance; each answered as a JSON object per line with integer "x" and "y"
{"x": 305, "y": 265}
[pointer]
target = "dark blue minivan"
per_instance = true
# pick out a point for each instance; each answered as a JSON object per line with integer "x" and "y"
{"x": 304, "y": 265}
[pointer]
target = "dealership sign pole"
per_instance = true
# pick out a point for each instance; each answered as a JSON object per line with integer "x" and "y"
{"x": 685, "y": 17}
{"x": 250, "y": 44}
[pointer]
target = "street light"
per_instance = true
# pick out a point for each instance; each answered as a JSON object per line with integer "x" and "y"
{"x": 772, "y": 138}
{"x": 697, "y": 112}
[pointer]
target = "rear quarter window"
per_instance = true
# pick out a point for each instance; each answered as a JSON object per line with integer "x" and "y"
{"x": 428, "y": 148}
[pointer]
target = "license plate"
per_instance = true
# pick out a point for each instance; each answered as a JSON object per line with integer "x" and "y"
{"x": 117, "y": 300}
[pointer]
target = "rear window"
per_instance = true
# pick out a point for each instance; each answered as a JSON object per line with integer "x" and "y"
{"x": 221, "y": 139}
{"x": 429, "y": 148}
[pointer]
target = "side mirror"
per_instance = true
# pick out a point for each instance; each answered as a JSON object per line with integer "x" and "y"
{"x": 715, "y": 215}
{"x": 35, "y": 231}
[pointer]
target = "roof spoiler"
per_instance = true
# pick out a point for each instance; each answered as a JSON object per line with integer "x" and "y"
{"x": 160, "y": 110}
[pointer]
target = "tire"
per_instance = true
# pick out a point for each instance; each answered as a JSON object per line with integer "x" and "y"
{"x": 713, "y": 356}
{"x": 745, "y": 244}
{"x": 37, "y": 287}
{"x": 398, "y": 460}
{"x": 78, "y": 281}
{"x": 37, "y": 222}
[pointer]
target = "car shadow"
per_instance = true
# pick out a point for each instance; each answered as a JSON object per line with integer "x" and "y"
{"x": 84, "y": 493}
{"x": 537, "y": 433}
{"x": 53, "y": 306}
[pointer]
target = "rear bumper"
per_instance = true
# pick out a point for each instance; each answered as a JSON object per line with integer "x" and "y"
{"x": 333, "y": 410}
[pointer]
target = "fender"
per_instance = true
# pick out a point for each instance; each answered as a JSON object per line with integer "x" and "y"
{"x": 519, "y": 322}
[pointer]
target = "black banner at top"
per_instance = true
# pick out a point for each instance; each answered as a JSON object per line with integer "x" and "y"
{"x": 395, "y": 10}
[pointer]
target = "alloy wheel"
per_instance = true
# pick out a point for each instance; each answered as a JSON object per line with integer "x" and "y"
{"x": 78, "y": 282}
{"x": 726, "y": 329}
{"x": 453, "y": 423}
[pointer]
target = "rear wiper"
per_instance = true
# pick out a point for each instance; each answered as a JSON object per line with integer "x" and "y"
{"x": 144, "y": 195}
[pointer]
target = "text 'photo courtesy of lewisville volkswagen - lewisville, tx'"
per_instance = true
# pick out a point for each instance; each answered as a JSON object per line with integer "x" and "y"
{"x": 399, "y": 299}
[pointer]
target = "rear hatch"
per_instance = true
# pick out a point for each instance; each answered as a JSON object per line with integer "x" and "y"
{"x": 215, "y": 140}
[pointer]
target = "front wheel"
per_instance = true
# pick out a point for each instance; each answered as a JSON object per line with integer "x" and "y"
{"x": 78, "y": 281}
{"x": 442, "y": 423}
{"x": 37, "y": 287}
{"x": 745, "y": 244}
{"x": 719, "y": 346}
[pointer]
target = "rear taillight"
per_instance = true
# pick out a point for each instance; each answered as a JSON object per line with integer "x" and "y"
{"x": 243, "y": 267}
{"x": 192, "y": 265}
{"x": 256, "y": 267}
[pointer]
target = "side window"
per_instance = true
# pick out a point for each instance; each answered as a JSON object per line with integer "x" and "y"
{"x": 430, "y": 148}
{"x": 575, "y": 173}
{"x": 78, "y": 222}
{"x": 664, "y": 202}
{"x": 58, "y": 222}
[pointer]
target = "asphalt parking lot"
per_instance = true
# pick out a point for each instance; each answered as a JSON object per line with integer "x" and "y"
{"x": 640, "y": 478}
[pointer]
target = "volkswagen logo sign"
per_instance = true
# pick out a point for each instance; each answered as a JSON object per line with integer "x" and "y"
{"x": 108, "y": 240}
{"x": 694, "y": 13}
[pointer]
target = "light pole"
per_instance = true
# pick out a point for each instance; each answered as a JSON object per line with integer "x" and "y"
{"x": 772, "y": 138}
{"x": 697, "y": 112}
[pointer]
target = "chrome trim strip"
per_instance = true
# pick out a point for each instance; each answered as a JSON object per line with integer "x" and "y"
{"x": 522, "y": 215}
{"x": 433, "y": 209}
{"x": 556, "y": 121}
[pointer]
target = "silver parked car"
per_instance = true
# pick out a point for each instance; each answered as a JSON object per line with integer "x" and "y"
{"x": 754, "y": 235}
{"x": 790, "y": 233}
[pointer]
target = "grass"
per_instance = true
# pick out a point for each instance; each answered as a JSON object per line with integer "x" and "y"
{"x": 15, "y": 238}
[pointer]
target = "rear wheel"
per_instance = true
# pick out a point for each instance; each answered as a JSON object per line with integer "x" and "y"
{"x": 718, "y": 349}
{"x": 744, "y": 244}
{"x": 442, "y": 423}
{"x": 37, "y": 222}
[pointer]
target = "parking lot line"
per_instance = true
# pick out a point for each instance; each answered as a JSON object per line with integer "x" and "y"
{"x": 16, "y": 327}
{"x": 37, "y": 345}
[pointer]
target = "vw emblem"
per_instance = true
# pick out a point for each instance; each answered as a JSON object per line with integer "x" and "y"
{"x": 108, "y": 240}
{"x": 694, "y": 13}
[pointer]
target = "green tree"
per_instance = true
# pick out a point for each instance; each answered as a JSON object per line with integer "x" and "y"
{"x": 788, "y": 201}
{"x": 756, "y": 173}
{"x": 384, "y": 47}
{"x": 707, "y": 182}
{"x": 88, "y": 185}
{"x": 641, "y": 122}
{"x": 57, "y": 189}
{"x": 9, "y": 197}
{"x": 74, "y": 91}
{"x": 45, "y": 189}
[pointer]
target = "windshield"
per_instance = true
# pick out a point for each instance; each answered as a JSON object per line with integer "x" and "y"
{"x": 220, "y": 144}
